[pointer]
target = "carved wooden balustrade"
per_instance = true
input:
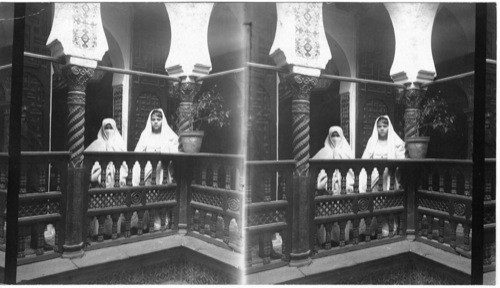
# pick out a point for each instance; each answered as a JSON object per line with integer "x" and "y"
{"x": 215, "y": 199}
{"x": 123, "y": 203}
{"x": 489, "y": 215}
{"x": 41, "y": 205}
{"x": 443, "y": 200}
{"x": 269, "y": 207}
{"x": 347, "y": 214}
{"x": 4, "y": 167}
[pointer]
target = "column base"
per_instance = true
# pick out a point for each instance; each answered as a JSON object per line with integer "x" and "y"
{"x": 73, "y": 251}
{"x": 300, "y": 259}
{"x": 410, "y": 234}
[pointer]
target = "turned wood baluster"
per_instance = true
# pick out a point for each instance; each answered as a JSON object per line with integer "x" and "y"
{"x": 228, "y": 169}
{"x": 213, "y": 225}
{"x": 196, "y": 220}
{"x": 380, "y": 222}
{"x": 430, "y": 223}
{"x": 203, "y": 215}
{"x": 342, "y": 226}
{"x": 163, "y": 216}
{"x": 227, "y": 222}
{"x": 152, "y": 216}
{"x": 142, "y": 165}
{"x": 282, "y": 185}
{"x": 154, "y": 167}
{"x": 21, "y": 242}
{"x": 267, "y": 186}
{"x": 103, "y": 173}
{"x": 343, "y": 182}
{"x": 23, "y": 179}
{"x": 441, "y": 179}
{"x": 248, "y": 253}
{"x": 390, "y": 222}
{"x": 100, "y": 232}
{"x": 380, "y": 184}
{"x": 356, "y": 180}
{"x": 453, "y": 240}
{"x": 204, "y": 169}
{"x": 355, "y": 231}
{"x": 266, "y": 245}
{"x": 117, "y": 166}
{"x": 369, "y": 181}
{"x": 429, "y": 181}
{"x": 285, "y": 254}
{"x": 39, "y": 228}
{"x": 487, "y": 252}
{"x": 219, "y": 229}
{"x": 392, "y": 178}
{"x": 454, "y": 182}
{"x": 329, "y": 236}
{"x": 130, "y": 166}
{"x": 420, "y": 219}
{"x": 41, "y": 177}
{"x": 466, "y": 237}
{"x": 56, "y": 236}
{"x": 114, "y": 228}
{"x": 368, "y": 231}
{"x": 441, "y": 230}
{"x": 215, "y": 175}
{"x": 140, "y": 224}
{"x": 128, "y": 218}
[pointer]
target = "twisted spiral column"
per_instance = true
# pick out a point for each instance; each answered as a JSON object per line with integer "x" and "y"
{"x": 76, "y": 78}
{"x": 301, "y": 87}
{"x": 186, "y": 91}
{"x": 413, "y": 98}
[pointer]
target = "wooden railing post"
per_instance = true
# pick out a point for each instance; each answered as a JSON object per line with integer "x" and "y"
{"x": 183, "y": 176}
{"x": 76, "y": 187}
{"x": 410, "y": 185}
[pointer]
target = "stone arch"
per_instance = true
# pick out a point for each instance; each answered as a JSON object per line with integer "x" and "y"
{"x": 341, "y": 61}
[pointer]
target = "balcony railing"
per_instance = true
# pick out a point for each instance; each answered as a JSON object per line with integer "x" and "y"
{"x": 41, "y": 206}
{"x": 202, "y": 193}
{"x": 429, "y": 199}
{"x": 269, "y": 207}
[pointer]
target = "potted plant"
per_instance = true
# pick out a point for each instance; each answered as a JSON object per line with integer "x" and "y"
{"x": 208, "y": 109}
{"x": 433, "y": 114}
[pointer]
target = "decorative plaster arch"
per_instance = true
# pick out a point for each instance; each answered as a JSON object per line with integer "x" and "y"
{"x": 340, "y": 60}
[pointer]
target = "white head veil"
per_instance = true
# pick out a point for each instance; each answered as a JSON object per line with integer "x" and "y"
{"x": 170, "y": 140}
{"x": 330, "y": 151}
{"x": 396, "y": 146}
{"x": 103, "y": 143}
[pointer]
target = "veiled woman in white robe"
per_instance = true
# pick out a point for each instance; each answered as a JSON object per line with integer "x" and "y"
{"x": 108, "y": 140}
{"x": 165, "y": 142}
{"x": 335, "y": 148}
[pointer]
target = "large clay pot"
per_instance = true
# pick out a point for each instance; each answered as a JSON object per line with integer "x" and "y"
{"x": 417, "y": 147}
{"x": 191, "y": 141}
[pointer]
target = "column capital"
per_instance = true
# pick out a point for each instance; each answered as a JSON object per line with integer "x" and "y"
{"x": 77, "y": 77}
{"x": 301, "y": 85}
{"x": 78, "y": 34}
{"x": 300, "y": 42}
{"x": 413, "y": 64}
{"x": 413, "y": 97}
{"x": 186, "y": 90}
{"x": 189, "y": 54}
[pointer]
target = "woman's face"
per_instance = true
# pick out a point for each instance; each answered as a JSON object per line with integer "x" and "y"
{"x": 156, "y": 122}
{"x": 108, "y": 130}
{"x": 336, "y": 138}
{"x": 382, "y": 128}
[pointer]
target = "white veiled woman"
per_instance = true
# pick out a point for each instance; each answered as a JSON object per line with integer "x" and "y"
{"x": 108, "y": 140}
{"x": 336, "y": 147}
{"x": 157, "y": 136}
